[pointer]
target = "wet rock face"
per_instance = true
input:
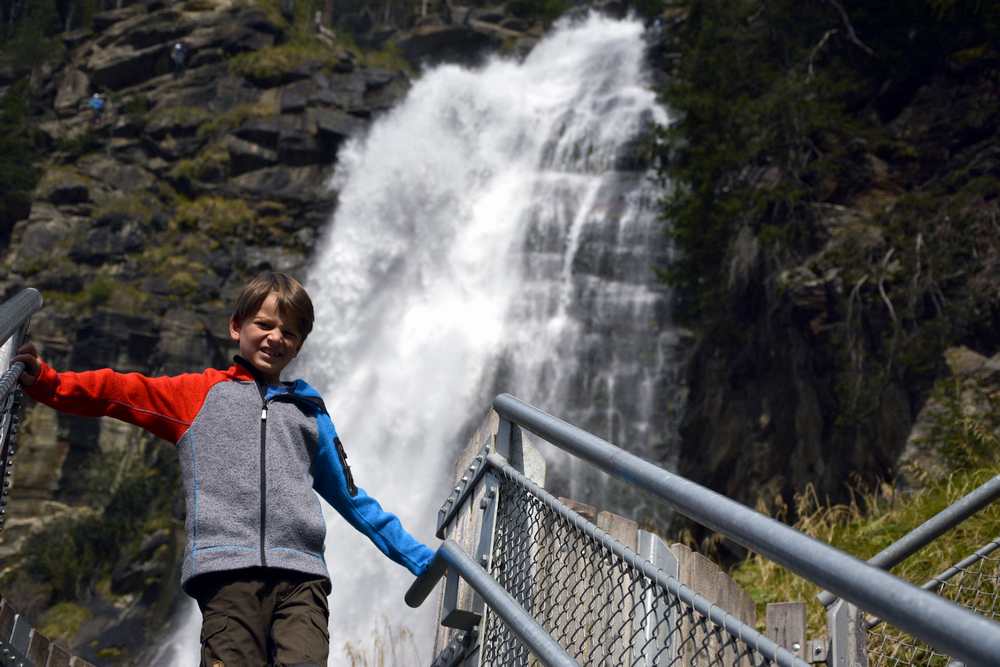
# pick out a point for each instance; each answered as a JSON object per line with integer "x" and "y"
{"x": 805, "y": 380}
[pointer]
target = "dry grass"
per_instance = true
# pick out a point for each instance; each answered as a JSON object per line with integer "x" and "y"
{"x": 869, "y": 523}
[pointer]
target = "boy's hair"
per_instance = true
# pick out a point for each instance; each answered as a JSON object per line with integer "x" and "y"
{"x": 293, "y": 300}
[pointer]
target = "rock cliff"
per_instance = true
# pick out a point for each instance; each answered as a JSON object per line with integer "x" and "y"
{"x": 146, "y": 221}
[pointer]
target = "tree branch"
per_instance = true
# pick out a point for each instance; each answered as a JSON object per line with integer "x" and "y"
{"x": 853, "y": 36}
{"x": 816, "y": 49}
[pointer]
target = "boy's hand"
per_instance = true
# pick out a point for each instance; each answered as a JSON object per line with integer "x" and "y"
{"x": 28, "y": 355}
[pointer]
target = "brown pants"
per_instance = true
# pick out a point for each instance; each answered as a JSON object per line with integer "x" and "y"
{"x": 263, "y": 616}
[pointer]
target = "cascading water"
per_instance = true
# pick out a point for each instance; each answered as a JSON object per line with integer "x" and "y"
{"x": 492, "y": 233}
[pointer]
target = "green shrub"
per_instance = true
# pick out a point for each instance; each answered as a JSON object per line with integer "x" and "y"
{"x": 215, "y": 216}
{"x": 73, "y": 553}
{"x": 63, "y": 621}
{"x": 211, "y": 164}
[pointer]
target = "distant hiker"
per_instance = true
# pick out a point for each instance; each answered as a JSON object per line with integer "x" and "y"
{"x": 252, "y": 450}
{"x": 178, "y": 55}
{"x": 97, "y": 106}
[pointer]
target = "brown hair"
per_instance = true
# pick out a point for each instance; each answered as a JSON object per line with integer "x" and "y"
{"x": 293, "y": 300}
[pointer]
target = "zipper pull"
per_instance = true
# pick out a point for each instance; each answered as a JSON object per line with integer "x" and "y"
{"x": 263, "y": 413}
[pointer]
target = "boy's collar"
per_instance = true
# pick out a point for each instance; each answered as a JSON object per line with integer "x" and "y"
{"x": 244, "y": 370}
{"x": 249, "y": 372}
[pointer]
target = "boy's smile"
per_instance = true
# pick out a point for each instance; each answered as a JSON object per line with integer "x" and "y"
{"x": 267, "y": 340}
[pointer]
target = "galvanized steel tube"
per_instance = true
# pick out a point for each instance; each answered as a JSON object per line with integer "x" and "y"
{"x": 15, "y": 311}
{"x": 500, "y": 601}
{"x": 942, "y": 624}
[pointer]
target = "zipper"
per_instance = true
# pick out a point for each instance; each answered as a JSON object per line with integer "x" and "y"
{"x": 263, "y": 482}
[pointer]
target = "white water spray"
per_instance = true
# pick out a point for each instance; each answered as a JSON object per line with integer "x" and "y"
{"x": 489, "y": 236}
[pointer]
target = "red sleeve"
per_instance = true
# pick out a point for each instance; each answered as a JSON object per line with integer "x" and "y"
{"x": 164, "y": 406}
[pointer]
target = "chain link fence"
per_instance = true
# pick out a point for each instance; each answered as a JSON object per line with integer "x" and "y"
{"x": 603, "y": 609}
{"x": 974, "y": 583}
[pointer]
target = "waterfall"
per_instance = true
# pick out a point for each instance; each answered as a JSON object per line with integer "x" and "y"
{"x": 493, "y": 232}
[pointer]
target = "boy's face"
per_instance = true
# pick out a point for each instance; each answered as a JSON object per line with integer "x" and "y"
{"x": 267, "y": 340}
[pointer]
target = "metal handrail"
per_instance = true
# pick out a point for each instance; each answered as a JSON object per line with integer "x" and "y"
{"x": 930, "y": 530}
{"x": 14, "y": 315}
{"x": 956, "y": 631}
{"x": 450, "y": 554}
{"x": 16, "y": 310}
{"x": 939, "y": 580}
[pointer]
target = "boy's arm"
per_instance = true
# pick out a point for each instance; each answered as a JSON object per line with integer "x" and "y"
{"x": 164, "y": 406}
{"x": 361, "y": 510}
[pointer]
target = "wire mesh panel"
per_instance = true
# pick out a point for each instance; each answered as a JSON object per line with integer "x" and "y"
{"x": 601, "y": 608}
{"x": 974, "y": 583}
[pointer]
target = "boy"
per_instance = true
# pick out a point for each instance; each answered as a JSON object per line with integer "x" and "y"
{"x": 252, "y": 449}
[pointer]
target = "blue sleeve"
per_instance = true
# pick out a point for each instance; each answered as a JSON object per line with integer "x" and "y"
{"x": 361, "y": 510}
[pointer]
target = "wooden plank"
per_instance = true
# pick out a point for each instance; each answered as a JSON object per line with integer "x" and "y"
{"x": 588, "y": 512}
{"x": 620, "y": 598}
{"x": 7, "y": 617}
{"x": 38, "y": 649}
{"x": 786, "y": 626}
{"x": 684, "y": 647}
{"x": 58, "y": 657}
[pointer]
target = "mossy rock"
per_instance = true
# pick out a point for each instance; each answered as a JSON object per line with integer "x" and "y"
{"x": 61, "y": 185}
{"x": 215, "y": 216}
{"x": 286, "y": 62}
{"x": 211, "y": 165}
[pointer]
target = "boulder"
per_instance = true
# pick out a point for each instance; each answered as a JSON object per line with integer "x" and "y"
{"x": 299, "y": 185}
{"x": 239, "y": 37}
{"x": 118, "y": 176}
{"x": 71, "y": 90}
{"x": 247, "y": 156}
{"x": 345, "y": 91}
{"x": 118, "y": 67}
{"x": 299, "y": 148}
{"x": 160, "y": 29}
{"x": 108, "y": 242}
{"x": 175, "y": 122}
{"x": 105, "y": 20}
{"x": 433, "y": 44}
{"x": 267, "y": 131}
{"x": 333, "y": 127}
{"x": 63, "y": 187}
{"x": 43, "y": 232}
{"x": 75, "y": 38}
{"x": 295, "y": 96}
